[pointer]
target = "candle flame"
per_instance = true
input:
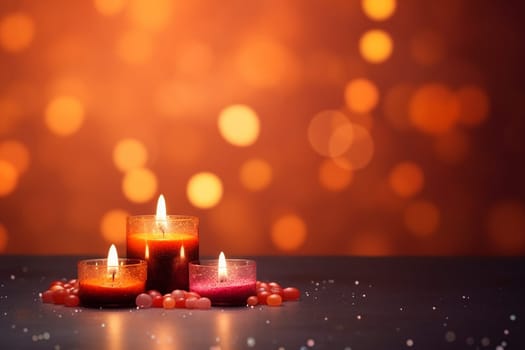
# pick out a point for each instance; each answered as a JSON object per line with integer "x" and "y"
{"x": 222, "y": 268}
{"x": 160, "y": 215}
{"x": 146, "y": 251}
{"x": 112, "y": 261}
{"x": 182, "y": 252}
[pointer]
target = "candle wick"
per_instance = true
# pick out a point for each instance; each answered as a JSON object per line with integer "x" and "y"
{"x": 113, "y": 276}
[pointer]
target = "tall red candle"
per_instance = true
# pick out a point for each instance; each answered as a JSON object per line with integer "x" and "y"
{"x": 167, "y": 243}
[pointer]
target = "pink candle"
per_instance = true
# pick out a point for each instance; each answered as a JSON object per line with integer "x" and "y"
{"x": 224, "y": 281}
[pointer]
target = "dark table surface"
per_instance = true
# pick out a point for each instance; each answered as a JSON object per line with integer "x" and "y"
{"x": 346, "y": 303}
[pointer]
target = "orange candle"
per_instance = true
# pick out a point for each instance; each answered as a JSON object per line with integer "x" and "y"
{"x": 111, "y": 282}
{"x": 168, "y": 243}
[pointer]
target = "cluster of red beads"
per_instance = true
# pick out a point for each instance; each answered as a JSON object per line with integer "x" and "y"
{"x": 62, "y": 293}
{"x": 178, "y": 299}
{"x": 272, "y": 294}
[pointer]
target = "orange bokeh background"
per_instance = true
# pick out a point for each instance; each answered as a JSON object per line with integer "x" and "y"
{"x": 364, "y": 127}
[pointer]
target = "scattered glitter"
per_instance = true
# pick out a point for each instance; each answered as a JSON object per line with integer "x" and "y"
{"x": 46, "y": 335}
{"x": 326, "y": 318}
{"x": 267, "y": 321}
{"x": 13, "y": 326}
{"x": 499, "y": 347}
{"x": 506, "y": 332}
{"x": 103, "y": 325}
{"x": 358, "y": 317}
{"x": 215, "y": 347}
{"x": 504, "y": 343}
{"x": 281, "y": 348}
{"x": 250, "y": 341}
{"x": 470, "y": 341}
{"x": 401, "y": 308}
{"x": 364, "y": 295}
{"x": 310, "y": 342}
{"x": 13, "y": 277}
{"x": 331, "y": 281}
{"x": 356, "y": 282}
{"x": 410, "y": 342}
{"x": 434, "y": 308}
{"x": 57, "y": 347}
{"x": 25, "y": 330}
{"x": 347, "y": 348}
{"x": 485, "y": 341}
{"x": 512, "y": 317}
{"x": 34, "y": 337}
{"x": 450, "y": 336}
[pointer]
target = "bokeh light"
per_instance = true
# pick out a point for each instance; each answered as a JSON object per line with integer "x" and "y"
{"x": 151, "y": 15}
{"x": 109, "y": 7}
{"x": 204, "y": 190}
{"x": 376, "y": 46}
{"x": 506, "y": 226}
{"x": 256, "y": 174}
{"x": 135, "y": 47}
{"x": 289, "y": 232}
{"x": 473, "y": 105}
{"x": 333, "y": 177}
{"x": 406, "y": 179}
{"x": 239, "y": 125}
{"x": 113, "y": 226}
{"x": 434, "y": 108}
{"x": 361, "y": 151}
{"x": 422, "y": 218}
{"x": 379, "y": 10}
{"x": 129, "y": 153}
{"x": 395, "y": 105}
{"x": 8, "y": 178}
{"x": 64, "y": 115}
{"x": 16, "y": 31}
{"x": 4, "y": 238}
{"x": 330, "y": 133}
{"x": 361, "y": 95}
{"x": 16, "y": 153}
{"x": 139, "y": 185}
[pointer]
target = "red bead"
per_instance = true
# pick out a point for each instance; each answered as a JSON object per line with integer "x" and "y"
{"x": 291, "y": 294}
{"x": 274, "y": 300}
{"x": 262, "y": 296}
{"x": 180, "y": 303}
{"x": 47, "y": 297}
{"x": 59, "y": 296}
{"x": 157, "y": 301}
{"x": 71, "y": 300}
{"x": 252, "y": 301}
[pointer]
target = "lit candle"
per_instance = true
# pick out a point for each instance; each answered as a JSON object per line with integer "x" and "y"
{"x": 224, "y": 281}
{"x": 110, "y": 282}
{"x": 167, "y": 243}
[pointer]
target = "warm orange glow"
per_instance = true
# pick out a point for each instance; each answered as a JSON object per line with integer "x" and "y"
{"x": 422, "y": 218}
{"x": 195, "y": 60}
{"x": 256, "y": 174}
{"x": 427, "y": 48}
{"x": 112, "y": 262}
{"x": 395, "y": 105}
{"x": 239, "y": 125}
{"x": 434, "y": 109}
{"x": 129, "y": 153}
{"x": 289, "y": 232}
{"x": 64, "y": 115}
{"x": 361, "y": 152}
{"x": 452, "y": 147}
{"x": 10, "y": 111}
{"x": 473, "y": 105}
{"x": 330, "y": 133}
{"x": 139, "y": 185}
{"x": 109, "y": 7}
{"x": 113, "y": 226}
{"x": 263, "y": 62}
{"x": 370, "y": 243}
{"x": 204, "y": 190}
{"x": 506, "y": 226}
{"x": 152, "y": 15}
{"x": 376, "y": 46}
{"x": 8, "y": 178}
{"x": 222, "y": 268}
{"x": 4, "y": 238}
{"x": 361, "y": 95}
{"x": 16, "y": 153}
{"x": 378, "y": 10}
{"x": 406, "y": 179}
{"x": 16, "y": 31}
{"x": 334, "y": 177}
{"x": 135, "y": 47}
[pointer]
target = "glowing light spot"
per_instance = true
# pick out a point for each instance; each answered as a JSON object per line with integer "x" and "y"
{"x": 139, "y": 185}
{"x": 109, "y": 7}
{"x": 129, "y": 153}
{"x": 506, "y": 226}
{"x": 433, "y": 109}
{"x": 289, "y": 232}
{"x": 135, "y": 47}
{"x": 113, "y": 226}
{"x": 376, "y": 46}
{"x": 16, "y": 32}
{"x": 334, "y": 177}
{"x": 406, "y": 179}
{"x": 16, "y": 153}
{"x": 422, "y": 218}
{"x": 379, "y": 10}
{"x": 427, "y": 48}
{"x": 452, "y": 147}
{"x": 330, "y": 133}
{"x": 153, "y": 15}
{"x": 395, "y": 105}
{"x": 64, "y": 115}
{"x": 204, "y": 190}
{"x": 239, "y": 125}
{"x": 361, "y": 95}
{"x": 473, "y": 105}
{"x": 8, "y": 178}
{"x": 265, "y": 63}
{"x": 361, "y": 151}
{"x": 4, "y": 238}
{"x": 256, "y": 174}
